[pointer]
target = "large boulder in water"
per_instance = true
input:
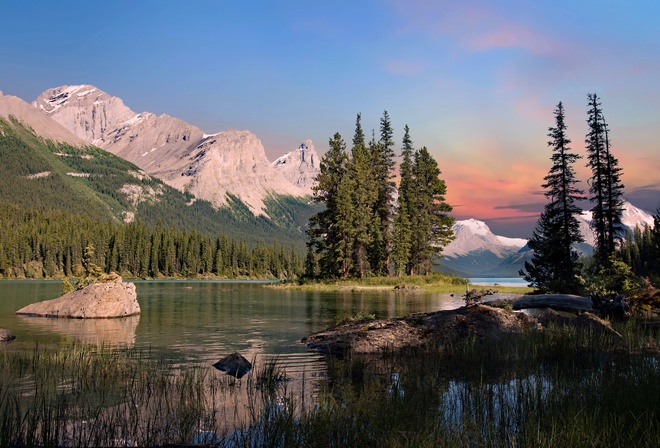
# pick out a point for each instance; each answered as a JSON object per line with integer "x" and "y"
{"x": 98, "y": 300}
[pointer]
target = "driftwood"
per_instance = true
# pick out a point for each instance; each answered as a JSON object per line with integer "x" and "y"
{"x": 557, "y": 302}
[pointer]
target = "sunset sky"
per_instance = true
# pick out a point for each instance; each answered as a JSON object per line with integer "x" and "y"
{"x": 476, "y": 81}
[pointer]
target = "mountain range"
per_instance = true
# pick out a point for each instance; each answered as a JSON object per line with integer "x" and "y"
{"x": 477, "y": 252}
{"x": 212, "y": 167}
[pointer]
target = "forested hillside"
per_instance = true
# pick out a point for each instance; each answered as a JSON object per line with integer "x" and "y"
{"x": 61, "y": 197}
{"x": 52, "y": 244}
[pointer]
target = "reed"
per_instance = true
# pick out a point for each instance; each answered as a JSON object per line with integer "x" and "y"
{"x": 560, "y": 387}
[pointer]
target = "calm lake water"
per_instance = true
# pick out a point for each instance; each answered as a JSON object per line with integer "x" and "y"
{"x": 501, "y": 281}
{"x": 192, "y": 322}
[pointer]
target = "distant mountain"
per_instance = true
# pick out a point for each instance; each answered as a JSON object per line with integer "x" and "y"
{"x": 213, "y": 167}
{"x": 631, "y": 218}
{"x": 477, "y": 252}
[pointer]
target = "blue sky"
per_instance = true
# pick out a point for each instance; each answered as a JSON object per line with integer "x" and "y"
{"x": 476, "y": 81}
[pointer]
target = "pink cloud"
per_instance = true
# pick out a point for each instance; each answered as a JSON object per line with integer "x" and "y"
{"x": 484, "y": 184}
{"x": 476, "y": 26}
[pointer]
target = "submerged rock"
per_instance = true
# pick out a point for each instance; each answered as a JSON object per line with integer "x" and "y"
{"x": 234, "y": 365}
{"x": 6, "y": 335}
{"x": 98, "y": 300}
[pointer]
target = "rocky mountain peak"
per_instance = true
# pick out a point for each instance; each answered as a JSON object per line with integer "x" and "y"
{"x": 88, "y": 112}
{"x": 472, "y": 234}
{"x": 38, "y": 120}
{"x": 300, "y": 166}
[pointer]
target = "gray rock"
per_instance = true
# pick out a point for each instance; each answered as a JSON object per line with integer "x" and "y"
{"x": 98, "y": 300}
{"x": 234, "y": 365}
{"x": 6, "y": 335}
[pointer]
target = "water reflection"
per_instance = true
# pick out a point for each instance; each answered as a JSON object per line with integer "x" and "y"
{"x": 118, "y": 332}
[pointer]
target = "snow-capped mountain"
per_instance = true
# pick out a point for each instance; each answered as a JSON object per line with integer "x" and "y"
{"x": 472, "y": 235}
{"x": 477, "y": 252}
{"x": 631, "y": 217}
{"x": 211, "y": 167}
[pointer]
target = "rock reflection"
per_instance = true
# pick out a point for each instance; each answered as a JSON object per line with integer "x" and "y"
{"x": 117, "y": 332}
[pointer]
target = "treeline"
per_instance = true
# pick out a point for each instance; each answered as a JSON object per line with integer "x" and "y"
{"x": 641, "y": 250}
{"x": 365, "y": 229}
{"x": 51, "y": 244}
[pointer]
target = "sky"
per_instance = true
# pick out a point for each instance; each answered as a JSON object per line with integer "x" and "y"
{"x": 476, "y": 81}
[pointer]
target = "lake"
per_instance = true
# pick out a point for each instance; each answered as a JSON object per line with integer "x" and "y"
{"x": 192, "y": 322}
{"x": 499, "y": 281}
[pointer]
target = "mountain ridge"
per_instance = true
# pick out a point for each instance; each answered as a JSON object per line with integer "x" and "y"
{"x": 209, "y": 166}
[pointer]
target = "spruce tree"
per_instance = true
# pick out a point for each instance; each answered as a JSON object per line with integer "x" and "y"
{"x": 323, "y": 232}
{"x": 554, "y": 266}
{"x": 365, "y": 193}
{"x": 605, "y": 185}
{"x": 403, "y": 222}
{"x": 383, "y": 159}
{"x": 432, "y": 228}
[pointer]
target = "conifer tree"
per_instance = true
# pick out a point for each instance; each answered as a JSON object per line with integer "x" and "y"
{"x": 365, "y": 193}
{"x": 432, "y": 227}
{"x": 554, "y": 266}
{"x": 605, "y": 185}
{"x": 383, "y": 160}
{"x": 323, "y": 232}
{"x": 403, "y": 220}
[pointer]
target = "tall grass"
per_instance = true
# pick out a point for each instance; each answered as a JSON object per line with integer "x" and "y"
{"x": 560, "y": 387}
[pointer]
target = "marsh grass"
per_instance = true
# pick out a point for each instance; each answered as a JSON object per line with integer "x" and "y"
{"x": 559, "y": 387}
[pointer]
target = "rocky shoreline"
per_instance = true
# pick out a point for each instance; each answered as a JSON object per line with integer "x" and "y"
{"x": 481, "y": 321}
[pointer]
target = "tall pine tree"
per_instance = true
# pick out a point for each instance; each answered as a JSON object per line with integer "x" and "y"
{"x": 554, "y": 267}
{"x": 402, "y": 242}
{"x": 605, "y": 185}
{"x": 365, "y": 193}
{"x": 383, "y": 160}
{"x": 324, "y": 235}
{"x": 432, "y": 224}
